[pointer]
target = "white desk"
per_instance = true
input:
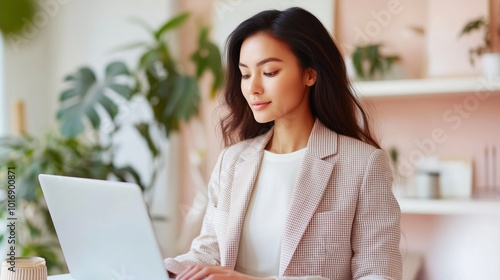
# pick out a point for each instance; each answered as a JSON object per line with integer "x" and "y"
{"x": 60, "y": 277}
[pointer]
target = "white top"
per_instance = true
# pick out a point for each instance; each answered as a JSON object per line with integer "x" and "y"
{"x": 260, "y": 243}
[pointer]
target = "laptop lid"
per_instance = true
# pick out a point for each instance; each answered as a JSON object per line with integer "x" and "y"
{"x": 104, "y": 229}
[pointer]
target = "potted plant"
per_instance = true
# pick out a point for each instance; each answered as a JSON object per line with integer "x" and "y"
{"x": 172, "y": 94}
{"x": 490, "y": 61}
{"x": 27, "y": 157}
{"x": 370, "y": 64}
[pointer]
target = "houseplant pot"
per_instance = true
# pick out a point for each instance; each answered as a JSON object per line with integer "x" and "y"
{"x": 490, "y": 61}
{"x": 490, "y": 64}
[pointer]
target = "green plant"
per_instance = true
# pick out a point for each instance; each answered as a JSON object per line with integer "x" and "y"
{"x": 394, "y": 154}
{"x": 480, "y": 24}
{"x": 369, "y": 63}
{"x": 28, "y": 157}
{"x": 172, "y": 94}
{"x": 86, "y": 95}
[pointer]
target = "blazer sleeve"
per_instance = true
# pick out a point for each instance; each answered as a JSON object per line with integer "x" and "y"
{"x": 204, "y": 248}
{"x": 376, "y": 226}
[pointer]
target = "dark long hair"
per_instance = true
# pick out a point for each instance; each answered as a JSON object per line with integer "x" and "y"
{"x": 332, "y": 100}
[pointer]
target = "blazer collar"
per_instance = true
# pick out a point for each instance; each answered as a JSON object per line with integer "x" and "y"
{"x": 312, "y": 181}
{"x": 322, "y": 142}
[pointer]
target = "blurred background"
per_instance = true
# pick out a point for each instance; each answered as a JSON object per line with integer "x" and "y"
{"x": 129, "y": 90}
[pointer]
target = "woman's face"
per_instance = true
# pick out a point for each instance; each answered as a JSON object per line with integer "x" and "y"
{"x": 273, "y": 82}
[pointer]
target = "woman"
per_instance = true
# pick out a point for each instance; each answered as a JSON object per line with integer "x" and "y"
{"x": 302, "y": 189}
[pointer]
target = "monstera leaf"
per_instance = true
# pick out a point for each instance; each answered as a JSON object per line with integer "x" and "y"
{"x": 82, "y": 100}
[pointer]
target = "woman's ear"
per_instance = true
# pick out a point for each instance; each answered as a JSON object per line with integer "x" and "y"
{"x": 311, "y": 76}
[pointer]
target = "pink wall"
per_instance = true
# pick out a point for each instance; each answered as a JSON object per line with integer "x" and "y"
{"x": 388, "y": 22}
{"x": 448, "y": 55}
{"x": 468, "y": 124}
{"x": 454, "y": 247}
{"x": 436, "y": 52}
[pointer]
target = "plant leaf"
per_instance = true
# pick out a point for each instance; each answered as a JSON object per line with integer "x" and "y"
{"x": 208, "y": 57}
{"x": 116, "y": 69}
{"x": 140, "y": 22}
{"x": 33, "y": 230}
{"x": 143, "y": 129}
{"x": 86, "y": 94}
{"x": 374, "y": 58}
{"x": 357, "y": 61}
{"x": 472, "y": 25}
{"x": 175, "y": 22}
{"x": 183, "y": 102}
{"x": 147, "y": 59}
{"x": 14, "y": 15}
{"x": 127, "y": 47}
{"x": 390, "y": 61}
{"x": 128, "y": 171}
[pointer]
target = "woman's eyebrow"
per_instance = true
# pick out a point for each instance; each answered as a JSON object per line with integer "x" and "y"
{"x": 262, "y": 61}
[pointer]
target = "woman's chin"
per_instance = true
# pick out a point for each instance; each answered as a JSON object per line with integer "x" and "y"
{"x": 262, "y": 119}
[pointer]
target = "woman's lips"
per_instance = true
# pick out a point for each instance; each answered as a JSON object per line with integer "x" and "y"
{"x": 260, "y": 105}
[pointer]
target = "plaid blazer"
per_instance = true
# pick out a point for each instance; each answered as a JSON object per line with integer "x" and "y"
{"x": 343, "y": 221}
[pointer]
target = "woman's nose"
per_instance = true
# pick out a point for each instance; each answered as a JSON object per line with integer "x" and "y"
{"x": 255, "y": 86}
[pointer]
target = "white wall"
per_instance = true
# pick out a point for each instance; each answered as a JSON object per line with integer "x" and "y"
{"x": 85, "y": 33}
{"x": 26, "y": 71}
{"x": 228, "y": 14}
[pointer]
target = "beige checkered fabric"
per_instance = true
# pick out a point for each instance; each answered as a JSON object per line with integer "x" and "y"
{"x": 343, "y": 222}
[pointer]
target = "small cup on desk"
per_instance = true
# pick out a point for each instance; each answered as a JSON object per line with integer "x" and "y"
{"x": 24, "y": 268}
{"x": 427, "y": 184}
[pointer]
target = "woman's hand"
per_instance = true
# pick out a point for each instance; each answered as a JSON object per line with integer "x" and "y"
{"x": 196, "y": 272}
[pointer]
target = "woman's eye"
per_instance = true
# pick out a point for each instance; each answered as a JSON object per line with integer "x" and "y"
{"x": 271, "y": 74}
{"x": 244, "y": 77}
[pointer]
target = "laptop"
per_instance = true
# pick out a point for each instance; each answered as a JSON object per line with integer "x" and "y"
{"x": 104, "y": 229}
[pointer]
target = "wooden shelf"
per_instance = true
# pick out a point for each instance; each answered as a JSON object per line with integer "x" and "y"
{"x": 426, "y": 86}
{"x": 449, "y": 206}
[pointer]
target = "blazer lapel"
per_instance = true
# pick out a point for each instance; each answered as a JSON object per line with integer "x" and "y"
{"x": 245, "y": 176}
{"x": 312, "y": 182}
